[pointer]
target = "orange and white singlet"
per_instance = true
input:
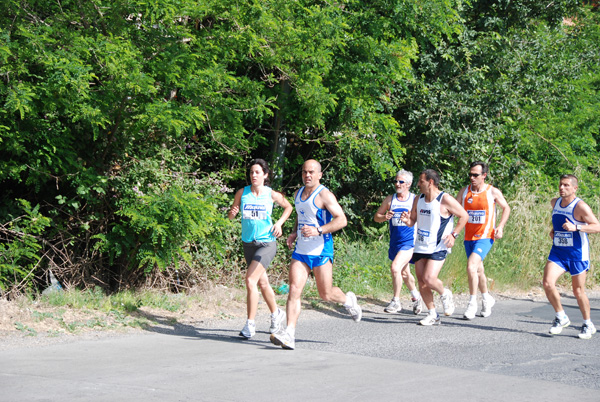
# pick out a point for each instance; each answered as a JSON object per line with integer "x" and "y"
{"x": 481, "y": 208}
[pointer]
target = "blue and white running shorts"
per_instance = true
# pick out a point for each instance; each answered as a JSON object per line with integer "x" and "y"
{"x": 312, "y": 260}
{"x": 481, "y": 247}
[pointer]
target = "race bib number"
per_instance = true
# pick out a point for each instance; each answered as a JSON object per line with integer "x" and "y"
{"x": 563, "y": 239}
{"x": 253, "y": 212}
{"x": 422, "y": 236}
{"x": 396, "y": 221}
{"x": 306, "y": 238}
{"x": 477, "y": 217}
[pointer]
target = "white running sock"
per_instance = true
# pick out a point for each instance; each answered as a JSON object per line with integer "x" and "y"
{"x": 291, "y": 331}
{"x": 473, "y": 299}
{"x": 561, "y": 314}
{"x": 415, "y": 293}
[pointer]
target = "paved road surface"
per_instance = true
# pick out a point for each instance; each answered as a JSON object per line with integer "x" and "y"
{"x": 506, "y": 357}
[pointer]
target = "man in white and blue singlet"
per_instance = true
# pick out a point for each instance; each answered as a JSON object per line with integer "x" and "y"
{"x": 402, "y": 241}
{"x": 572, "y": 220}
{"x": 433, "y": 212}
{"x": 318, "y": 215}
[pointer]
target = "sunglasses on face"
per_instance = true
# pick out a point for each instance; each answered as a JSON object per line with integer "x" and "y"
{"x": 398, "y": 181}
{"x": 474, "y": 174}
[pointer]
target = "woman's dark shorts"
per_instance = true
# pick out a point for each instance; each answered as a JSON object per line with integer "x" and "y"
{"x": 262, "y": 252}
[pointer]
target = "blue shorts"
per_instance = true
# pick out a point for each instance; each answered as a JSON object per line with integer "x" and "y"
{"x": 393, "y": 251}
{"x": 481, "y": 247}
{"x": 312, "y": 260}
{"x": 573, "y": 267}
{"x": 437, "y": 256}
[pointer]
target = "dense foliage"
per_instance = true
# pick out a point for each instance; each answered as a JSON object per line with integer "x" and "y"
{"x": 126, "y": 124}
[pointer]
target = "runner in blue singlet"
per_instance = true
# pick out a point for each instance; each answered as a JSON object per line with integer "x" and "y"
{"x": 572, "y": 220}
{"x": 402, "y": 241}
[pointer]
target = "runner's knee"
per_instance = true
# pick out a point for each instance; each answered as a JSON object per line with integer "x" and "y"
{"x": 325, "y": 294}
{"x": 579, "y": 292}
{"x": 548, "y": 284}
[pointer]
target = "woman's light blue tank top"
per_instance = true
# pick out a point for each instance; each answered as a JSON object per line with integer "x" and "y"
{"x": 256, "y": 216}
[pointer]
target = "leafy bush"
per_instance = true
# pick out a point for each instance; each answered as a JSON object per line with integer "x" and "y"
{"x": 20, "y": 246}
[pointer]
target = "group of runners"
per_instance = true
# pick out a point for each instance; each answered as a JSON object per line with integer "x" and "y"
{"x": 422, "y": 232}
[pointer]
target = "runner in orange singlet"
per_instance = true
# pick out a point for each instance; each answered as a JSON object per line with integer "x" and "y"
{"x": 479, "y": 200}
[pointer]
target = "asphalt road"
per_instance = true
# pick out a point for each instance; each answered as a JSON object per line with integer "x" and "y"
{"x": 506, "y": 357}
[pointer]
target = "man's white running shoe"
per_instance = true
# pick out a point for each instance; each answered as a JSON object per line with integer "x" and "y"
{"x": 587, "y": 330}
{"x": 471, "y": 310}
{"x": 248, "y": 331}
{"x": 283, "y": 339}
{"x": 558, "y": 325}
{"x": 352, "y": 307}
{"x": 277, "y": 319}
{"x": 431, "y": 320}
{"x": 393, "y": 307}
{"x": 448, "y": 303}
{"x": 417, "y": 307}
{"x": 486, "y": 306}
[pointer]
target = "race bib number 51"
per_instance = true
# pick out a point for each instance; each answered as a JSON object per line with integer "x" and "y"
{"x": 252, "y": 211}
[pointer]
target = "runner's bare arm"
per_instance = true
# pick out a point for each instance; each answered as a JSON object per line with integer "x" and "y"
{"x": 291, "y": 240}
{"x": 501, "y": 201}
{"x": 454, "y": 207}
{"x": 235, "y": 207}
{"x": 331, "y": 204}
{"x": 460, "y": 194}
{"x": 552, "y": 203}
{"x": 383, "y": 213}
{"x": 280, "y": 200}
{"x": 583, "y": 213}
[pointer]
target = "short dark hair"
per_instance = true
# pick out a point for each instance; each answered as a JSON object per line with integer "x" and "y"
{"x": 571, "y": 177}
{"x": 431, "y": 174}
{"x": 484, "y": 166}
{"x": 264, "y": 166}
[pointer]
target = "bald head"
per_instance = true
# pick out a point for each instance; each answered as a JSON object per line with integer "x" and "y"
{"x": 311, "y": 173}
{"x": 312, "y": 163}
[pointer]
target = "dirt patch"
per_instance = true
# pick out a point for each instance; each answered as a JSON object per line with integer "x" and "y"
{"x": 24, "y": 323}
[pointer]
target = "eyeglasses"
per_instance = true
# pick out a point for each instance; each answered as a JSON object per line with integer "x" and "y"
{"x": 399, "y": 181}
{"x": 474, "y": 174}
